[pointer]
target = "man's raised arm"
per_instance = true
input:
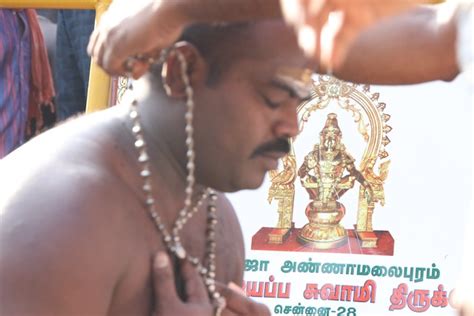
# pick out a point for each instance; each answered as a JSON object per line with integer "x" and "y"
{"x": 415, "y": 47}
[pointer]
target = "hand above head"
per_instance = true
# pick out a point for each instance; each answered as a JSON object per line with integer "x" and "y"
{"x": 327, "y": 28}
{"x": 146, "y": 27}
{"x": 169, "y": 303}
{"x": 142, "y": 29}
{"x": 331, "y": 32}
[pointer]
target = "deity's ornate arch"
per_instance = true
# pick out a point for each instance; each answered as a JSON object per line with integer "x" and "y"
{"x": 357, "y": 100}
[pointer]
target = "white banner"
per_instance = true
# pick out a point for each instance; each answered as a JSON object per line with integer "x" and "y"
{"x": 420, "y": 229}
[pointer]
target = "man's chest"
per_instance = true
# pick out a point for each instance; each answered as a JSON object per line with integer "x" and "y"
{"x": 134, "y": 291}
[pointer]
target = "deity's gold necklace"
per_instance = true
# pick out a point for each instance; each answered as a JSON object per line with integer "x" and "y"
{"x": 335, "y": 180}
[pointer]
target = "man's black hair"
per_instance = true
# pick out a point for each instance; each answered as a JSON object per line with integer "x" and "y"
{"x": 218, "y": 43}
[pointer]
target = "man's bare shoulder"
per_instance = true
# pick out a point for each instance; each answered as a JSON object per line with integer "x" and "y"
{"x": 61, "y": 166}
{"x": 61, "y": 220}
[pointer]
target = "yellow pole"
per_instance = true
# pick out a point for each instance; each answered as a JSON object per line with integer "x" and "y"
{"x": 98, "y": 94}
{"x": 99, "y": 82}
{"x": 49, "y": 4}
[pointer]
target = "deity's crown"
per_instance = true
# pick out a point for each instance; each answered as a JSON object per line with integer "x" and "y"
{"x": 331, "y": 125}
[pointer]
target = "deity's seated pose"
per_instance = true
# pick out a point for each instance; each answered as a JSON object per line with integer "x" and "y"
{"x": 327, "y": 173}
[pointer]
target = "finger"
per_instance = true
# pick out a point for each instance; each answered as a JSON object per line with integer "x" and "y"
{"x": 242, "y": 305}
{"x": 92, "y": 42}
{"x": 98, "y": 49}
{"x": 195, "y": 288}
{"x": 163, "y": 279}
{"x": 114, "y": 58}
{"x": 343, "y": 39}
{"x": 144, "y": 63}
{"x": 320, "y": 22}
{"x": 307, "y": 40}
{"x": 112, "y": 65}
{"x": 236, "y": 288}
{"x": 314, "y": 8}
{"x": 329, "y": 32}
{"x": 293, "y": 11}
{"x": 140, "y": 69}
{"x": 308, "y": 26}
{"x": 99, "y": 40}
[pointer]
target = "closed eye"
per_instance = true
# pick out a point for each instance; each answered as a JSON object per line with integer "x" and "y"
{"x": 275, "y": 104}
{"x": 278, "y": 93}
{"x": 271, "y": 104}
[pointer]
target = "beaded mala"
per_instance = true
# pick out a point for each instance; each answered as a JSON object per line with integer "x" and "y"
{"x": 172, "y": 241}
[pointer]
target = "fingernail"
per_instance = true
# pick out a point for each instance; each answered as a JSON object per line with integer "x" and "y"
{"x": 307, "y": 40}
{"x": 161, "y": 260}
{"x": 235, "y": 287}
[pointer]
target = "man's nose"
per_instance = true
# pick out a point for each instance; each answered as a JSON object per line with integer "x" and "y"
{"x": 287, "y": 122}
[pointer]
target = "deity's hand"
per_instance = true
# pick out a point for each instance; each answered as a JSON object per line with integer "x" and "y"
{"x": 270, "y": 198}
{"x": 198, "y": 303}
{"x": 302, "y": 172}
{"x": 142, "y": 29}
{"x": 369, "y": 193}
{"x": 327, "y": 28}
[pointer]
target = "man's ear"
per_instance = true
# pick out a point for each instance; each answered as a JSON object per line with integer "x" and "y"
{"x": 171, "y": 74}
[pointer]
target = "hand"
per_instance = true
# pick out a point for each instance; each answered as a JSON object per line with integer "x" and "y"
{"x": 198, "y": 303}
{"x": 461, "y": 299}
{"x": 126, "y": 30}
{"x": 240, "y": 305}
{"x": 167, "y": 300}
{"x": 327, "y": 28}
{"x": 369, "y": 193}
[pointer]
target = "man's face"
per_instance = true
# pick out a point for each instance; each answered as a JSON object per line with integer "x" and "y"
{"x": 243, "y": 122}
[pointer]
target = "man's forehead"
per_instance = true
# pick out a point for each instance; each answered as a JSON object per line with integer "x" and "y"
{"x": 268, "y": 51}
{"x": 297, "y": 80}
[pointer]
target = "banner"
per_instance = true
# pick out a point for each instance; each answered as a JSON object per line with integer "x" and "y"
{"x": 366, "y": 215}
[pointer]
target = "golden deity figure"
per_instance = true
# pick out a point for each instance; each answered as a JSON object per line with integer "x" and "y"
{"x": 327, "y": 173}
{"x": 282, "y": 189}
{"x": 366, "y": 207}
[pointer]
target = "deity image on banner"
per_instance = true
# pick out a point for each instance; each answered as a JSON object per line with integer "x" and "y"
{"x": 327, "y": 171}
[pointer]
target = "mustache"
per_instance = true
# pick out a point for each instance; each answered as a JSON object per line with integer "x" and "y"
{"x": 278, "y": 145}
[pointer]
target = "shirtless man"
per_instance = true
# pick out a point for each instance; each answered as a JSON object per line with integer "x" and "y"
{"x": 76, "y": 234}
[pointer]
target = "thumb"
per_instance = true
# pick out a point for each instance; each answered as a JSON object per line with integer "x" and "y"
{"x": 163, "y": 282}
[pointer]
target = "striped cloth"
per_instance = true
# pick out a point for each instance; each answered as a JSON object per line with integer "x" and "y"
{"x": 41, "y": 114}
{"x": 26, "y": 84}
{"x": 15, "y": 70}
